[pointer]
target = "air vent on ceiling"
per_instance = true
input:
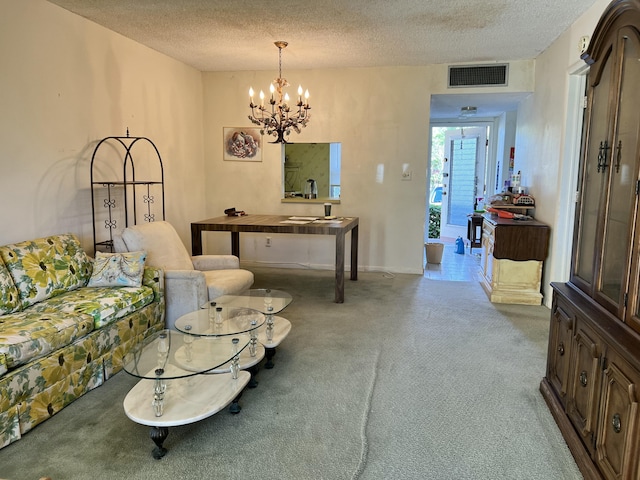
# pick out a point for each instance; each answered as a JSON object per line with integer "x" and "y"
{"x": 478, "y": 75}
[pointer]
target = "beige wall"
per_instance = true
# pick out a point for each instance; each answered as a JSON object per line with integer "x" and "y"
{"x": 381, "y": 118}
{"x": 547, "y": 146}
{"x": 65, "y": 83}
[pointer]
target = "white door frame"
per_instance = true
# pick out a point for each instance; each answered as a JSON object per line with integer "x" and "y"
{"x": 562, "y": 240}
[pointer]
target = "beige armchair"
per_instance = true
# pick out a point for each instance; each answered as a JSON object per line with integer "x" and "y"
{"x": 190, "y": 282}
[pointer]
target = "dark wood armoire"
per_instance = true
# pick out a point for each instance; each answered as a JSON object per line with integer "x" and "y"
{"x": 592, "y": 382}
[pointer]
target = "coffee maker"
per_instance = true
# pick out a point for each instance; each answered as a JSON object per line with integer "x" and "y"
{"x": 311, "y": 189}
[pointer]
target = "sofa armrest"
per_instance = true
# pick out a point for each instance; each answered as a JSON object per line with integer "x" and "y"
{"x": 185, "y": 291}
{"x": 215, "y": 262}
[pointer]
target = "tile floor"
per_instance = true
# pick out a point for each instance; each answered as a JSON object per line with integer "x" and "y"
{"x": 455, "y": 267}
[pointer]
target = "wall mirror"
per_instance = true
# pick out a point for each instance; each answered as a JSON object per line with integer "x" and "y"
{"x": 311, "y": 172}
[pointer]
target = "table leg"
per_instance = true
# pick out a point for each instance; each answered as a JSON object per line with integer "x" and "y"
{"x": 269, "y": 322}
{"x": 339, "y": 295}
{"x": 235, "y": 244}
{"x": 235, "y": 407}
{"x": 269, "y": 353}
{"x": 196, "y": 239}
{"x": 354, "y": 253}
{"x": 159, "y": 435}
{"x": 253, "y": 383}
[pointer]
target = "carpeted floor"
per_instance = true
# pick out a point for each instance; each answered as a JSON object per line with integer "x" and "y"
{"x": 410, "y": 378}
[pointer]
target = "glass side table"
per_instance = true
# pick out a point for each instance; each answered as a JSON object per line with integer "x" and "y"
{"x": 174, "y": 388}
{"x": 269, "y": 302}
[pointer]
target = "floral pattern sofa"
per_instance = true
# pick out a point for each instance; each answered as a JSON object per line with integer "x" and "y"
{"x": 59, "y": 337}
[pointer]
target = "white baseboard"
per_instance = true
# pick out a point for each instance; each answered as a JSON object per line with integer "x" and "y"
{"x": 314, "y": 266}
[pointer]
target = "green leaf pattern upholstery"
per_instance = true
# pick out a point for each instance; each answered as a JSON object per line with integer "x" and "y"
{"x": 58, "y": 338}
{"x": 9, "y": 296}
{"x": 46, "y": 267}
{"x": 28, "y": 335}
{"x": 103, "y": 304}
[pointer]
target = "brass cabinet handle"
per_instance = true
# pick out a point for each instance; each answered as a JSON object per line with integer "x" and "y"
{"x": 616, "y": 423}
{"x": 583, "y": 378}
{"x": 561, "y": 348}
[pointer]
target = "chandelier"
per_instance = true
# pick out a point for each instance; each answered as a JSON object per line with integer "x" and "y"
{"x": 281, "y": 117}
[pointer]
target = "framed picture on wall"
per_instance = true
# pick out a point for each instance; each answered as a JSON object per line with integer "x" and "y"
{"x": 242, "y": 144}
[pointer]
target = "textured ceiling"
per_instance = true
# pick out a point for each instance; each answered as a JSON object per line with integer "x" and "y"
{"x": 217, "y": 35}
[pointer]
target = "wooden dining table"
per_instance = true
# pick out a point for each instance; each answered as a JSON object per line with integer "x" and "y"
{"x": 338, "y": 227}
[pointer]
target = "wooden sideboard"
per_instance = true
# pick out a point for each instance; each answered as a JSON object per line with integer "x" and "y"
{"x": 513, "y": 253}
{"x": 591, "y": 385}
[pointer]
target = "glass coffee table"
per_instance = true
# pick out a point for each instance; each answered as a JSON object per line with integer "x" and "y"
{"x": 187, "y": 377}
{"x": 220, "y": 321}
{"x": 269, "y": 302}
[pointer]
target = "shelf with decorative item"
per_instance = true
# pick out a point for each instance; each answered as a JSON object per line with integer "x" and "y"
{"x": 522, "y": 209}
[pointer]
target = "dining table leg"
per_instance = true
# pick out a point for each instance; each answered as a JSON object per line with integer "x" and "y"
{"x": 354, "y": 253}
{"x": 339, "y": 296}
{"x": 196, "y": 239}
{"x": 235, "y": 244}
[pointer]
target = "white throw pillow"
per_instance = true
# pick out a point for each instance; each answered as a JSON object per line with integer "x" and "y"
{"x": 118, "y": 269}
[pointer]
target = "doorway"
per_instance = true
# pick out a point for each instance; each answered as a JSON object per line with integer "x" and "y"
{"x": 460, "y": 113}
{"x": 463, "y": 177}
{"x": 458, "y": 174}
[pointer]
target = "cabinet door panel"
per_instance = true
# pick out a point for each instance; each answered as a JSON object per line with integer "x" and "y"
{"x": 596, "y": 153}
{"x": 560, "y": 350}
{"x": 618, "y": 429}
{"x": 585, "y": 374}
{"x": 487, "y": 252}
{"x": 624, "y": 177}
